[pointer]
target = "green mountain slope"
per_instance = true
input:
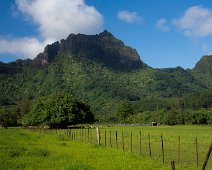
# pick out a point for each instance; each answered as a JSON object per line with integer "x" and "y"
{"x": 203, "y": 70}
{"x": 98, "y": 69}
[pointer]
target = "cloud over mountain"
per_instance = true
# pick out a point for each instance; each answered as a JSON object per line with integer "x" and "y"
{"x": 55, "y": 20}
{"x": 21, "y": 47}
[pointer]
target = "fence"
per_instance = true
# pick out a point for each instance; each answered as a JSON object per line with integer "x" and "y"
{"x": 186, "y": 152}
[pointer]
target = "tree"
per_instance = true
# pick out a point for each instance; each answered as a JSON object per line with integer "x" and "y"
{"x": 125, "y": 112}
{"x": 7, "y": 118}
{"x": 58, "y": 111}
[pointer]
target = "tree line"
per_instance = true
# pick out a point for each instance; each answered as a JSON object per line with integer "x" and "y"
{"x": 194, "y": 108}
{"x": 60, "y": 110}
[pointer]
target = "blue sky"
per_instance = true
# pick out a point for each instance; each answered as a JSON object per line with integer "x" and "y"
{"x": 166, "y": 33}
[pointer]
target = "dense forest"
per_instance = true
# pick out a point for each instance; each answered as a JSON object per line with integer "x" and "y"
{"x": 110, "y": 81}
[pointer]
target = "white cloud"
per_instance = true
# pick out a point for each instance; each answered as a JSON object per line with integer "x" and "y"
{"x": 128, "y": 16}
{"x": 161, "y": 24}
{"x": 196, "y": 22}
{"x": 22, "y": 47}
{"x": 55, "y": 20}
{"x": 206, "y": 49}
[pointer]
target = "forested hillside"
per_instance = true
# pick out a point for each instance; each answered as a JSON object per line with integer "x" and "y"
{"x": 101, "y": 71}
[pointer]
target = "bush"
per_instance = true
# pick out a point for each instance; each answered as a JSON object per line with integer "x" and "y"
{"x": 7, "y": 118}
{"x": 58, "y": 111}
{"x": 125, "y": 113}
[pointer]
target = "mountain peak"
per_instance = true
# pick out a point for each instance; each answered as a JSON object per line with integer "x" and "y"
{"x": 204, "y": 65}
{"x": 106, "y": 33}
{"x": 203, "y": 70}
{"x": 103, "y": 48}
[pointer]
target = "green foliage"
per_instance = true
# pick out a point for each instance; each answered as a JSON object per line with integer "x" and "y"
{"x": 197, "y": 100}
{"x": 201, "y": 116}
{"x": 176, "y": 117}
{"x": 125, "y": 112}
{"x": 7, "y": 118}
{"x": 24, "y": 105}
{"x": 146, "y": 117}
{"x": 203, "y": 70}
{"x": 58, "y": 111}
{"x": 103, "y": 72}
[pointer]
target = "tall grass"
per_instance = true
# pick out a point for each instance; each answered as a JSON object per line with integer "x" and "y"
{"x": 183, "y": 144}
{"x": 24, "y": 149}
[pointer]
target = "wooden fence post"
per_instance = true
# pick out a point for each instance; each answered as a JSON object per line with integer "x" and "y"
{"x": 178, "y": 160}
{"x": 150, "y": 152}
{"x": 197, "y": 154}
{"x": 98, "y": 135}
{"x": 85, "y": 135}
{"x": 172, "y": 165}
{"x": 116, "y": 139}
{"x": 207, "y": 157}
{"x": 88, "y": 135}
{"x": 110, "y": 139}
{"x": 82, "y": 134}
{"x": 140, "y": 142}
{"x": 162, "y": 148}
{"x": 131, "y": 142}
{"x": 91, "y": 136}
{"x": 105, "y": 137}
{"x": 123, "y": 140}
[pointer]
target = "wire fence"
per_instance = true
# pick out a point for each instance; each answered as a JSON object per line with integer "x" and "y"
{"x": 186, "y": 152}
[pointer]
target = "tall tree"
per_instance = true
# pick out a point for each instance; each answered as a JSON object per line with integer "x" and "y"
{"x": 58, "y": 111}
{"x": 124, "y": 112}
{"x": 7, "y": 118}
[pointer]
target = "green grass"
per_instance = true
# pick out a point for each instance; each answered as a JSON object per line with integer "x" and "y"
{"x": 24, "y": 149}
{"x": 188, "y": 135}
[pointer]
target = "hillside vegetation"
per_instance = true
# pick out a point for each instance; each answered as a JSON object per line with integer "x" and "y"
{"x": 102, "y": 72}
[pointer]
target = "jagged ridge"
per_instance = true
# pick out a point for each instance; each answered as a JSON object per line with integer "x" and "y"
{"x": 103, "y": 48}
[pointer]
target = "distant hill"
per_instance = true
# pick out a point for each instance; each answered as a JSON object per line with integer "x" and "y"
{"x": 203, "y": 70}
{"x": 100, "y": 70}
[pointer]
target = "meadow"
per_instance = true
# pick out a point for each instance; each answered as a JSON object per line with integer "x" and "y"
{"x": 77, "y": 149}
{"x": 186, "y": 145}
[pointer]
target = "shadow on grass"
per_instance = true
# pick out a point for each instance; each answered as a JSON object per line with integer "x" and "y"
{"x": 38, "y": 152}
{"x": 78, "y": 166}
{"x": 15, "y": 152}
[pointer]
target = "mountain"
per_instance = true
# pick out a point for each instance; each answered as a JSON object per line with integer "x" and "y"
{"x": 100, "y": 70}
{"x": 103, "y": 48}
{"x": 203, "y": 70}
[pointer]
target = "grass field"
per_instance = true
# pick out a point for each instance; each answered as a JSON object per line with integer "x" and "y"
{"x": 24, "y": 149}
{"x": 186, "y": 145}
{"x": 179, "y": 142}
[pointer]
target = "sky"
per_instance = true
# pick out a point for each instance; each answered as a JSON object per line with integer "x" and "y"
{"x": 165, "y": 33}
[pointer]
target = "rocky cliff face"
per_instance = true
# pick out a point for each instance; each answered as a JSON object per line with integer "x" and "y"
{"x": 50, "y": 52}
{"x": 203, "y": 70}
{"x": 102, "y": 48}
{"x": 204, "y": 65}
